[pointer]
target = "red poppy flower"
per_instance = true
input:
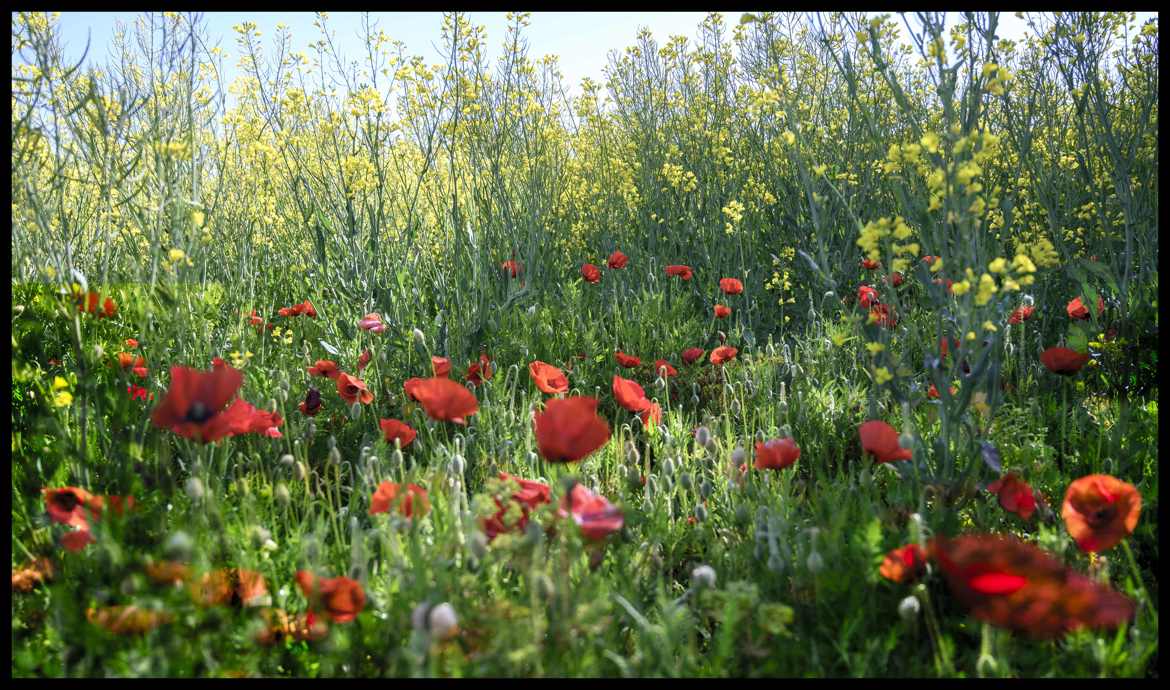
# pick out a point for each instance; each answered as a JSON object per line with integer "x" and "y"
{"x": 411, "y": 501}
{"x": 596, "y": 516}
{"x": 881, "y": 440}
{"x": 217, "y": 362}
{"x": 242, "y": 417}
{"x": 372, "y": 322}
{"x": 1015, "y": 495}
{"x": 617, "y": 260}
{"x": 76, "y": 540}
{"x": 680, "y": 270}
{"x": 651, "y": 414}
{"x": 896, "y": 279}
{"x": 341, "y": 597}
{"x": 193, "y": 406}
{"x": 478, "y": 372}
{"x": 722, "y": 311}
{"x": 325, "y": 367}
{"x": 234, "y": 587}
{"x": 663, "y": 368}
{"x": 945, "y": 345}
{"x": 867, "y": 296}
{"x": 68, "y": 505}
{"x": 131, "y": 343}
{"x": 312, "y": 403}
{"x": 529, "y": 495}
{"x": 591, "y": 273}
{"x": 692, "y": 355}
{"x": 138, "y": 392}
{"x": 510, "y": 266}
{"x": 305, "y": 308}
{"x": 929, "y": 259}
{"x": 627, "y": 361}
{"x": 441, "y": 366}
{"x": 140, "y": 372}
{"x": 352, "y": 389}
{"x": 363, "y": 360}
{"x": 932, "y": 392}
{"x": 1063, "y": 361}
{"x": 730, "y": 286}
{"x": 904, "y": 565}
{"x": 569, "y": 429}
{"x": 394, "y": 429}
{"x": 1014, "y": 585}
{"x": 870, "y": 264}
{"x": 1099, "y": 511}
{"x": 1077, "y": 310}
{"x": 883, "y": 315}
{"x": 548, "y": 378}
{"x": 723, "y": 353}
{"x": 776, "y": 454}
{"x": 1021, "y": 314}
{"x": 629, "y": 394}
{"x": 127, "y": 360}
{"x": 442, "y": 399}
{"x": 255, "y": 319}
{"x": 89, "y": 305}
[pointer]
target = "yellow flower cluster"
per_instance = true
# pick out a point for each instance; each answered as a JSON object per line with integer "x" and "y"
{"x": 872, "y": 234}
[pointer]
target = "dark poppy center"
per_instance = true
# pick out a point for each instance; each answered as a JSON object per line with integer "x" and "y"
{"x": 351, "y": 390}
{"x": 66, "y": 500}
{"x": 1101, "y": 515}
{"x": 198, "y": 412}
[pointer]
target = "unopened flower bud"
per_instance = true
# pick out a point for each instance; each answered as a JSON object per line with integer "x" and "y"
{"x": 194, "y": 489}
{"x": 632, "y": 454}
{"x": 700, "y": 512}
{"x": 908, "y": 608}
{"x": 775, "y": 563}
{"x": 706, "y": 489}
{"x": 703, "y": 437}
{"x": 99, "y": 351}
{"x": 815, "y": 563}
{"x": 703, "y": 577}
{"x": 179, "y": 546}
{"x": 443, "y": 622}
{"x": 355, "y": 411}
{"x": 420, "y": 339}
{"x": 287, "y": 460}
{"x": 334, "y": 456}
{"x": 282, "y": 495}
{"x": 684, "y": 480}
{"x": 738, "y": 456}
{"x": 269, "y": 546}
{"x": 458, "y": 464}
{"x": 668, "y": 467}
{"x": 301, "y": 471}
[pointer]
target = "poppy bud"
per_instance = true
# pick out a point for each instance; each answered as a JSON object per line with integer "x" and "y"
{"x": 355, "y": 411}
{"x": 443, "y": 622}
{"x": 815, "y": 563}
{"x": 179, "y": 546}
{"x": 632, "y": 454}
{"x": 700, "y": 512}
{"x": 268, "y": 546}
{"x": 282, "y": 495}
{"x": 396, "y": 457}
{"x": 418, "y": 618}
{"x": 738, "y": 456}
{"x": 706, "y": 489}
{"x": 478, "y": 544}
{"x": 335, "y": 456}
{"x": 458, "y": 464}
{"x": 302, "y": 471}
{"x": 287, "y": 460}
{"x": 532, "y": 311}
{"x": 906, "y": 440}
{"x": 775, "y": 563}
{"x": 668, "y": 467}
{"x": 420, "y": 339}
{"x": 908, "y": 608}
{"x": 311, "y": 429}
{"x": 684, "y": 480}
{"x": 660, "y": 383}
{"x": 703, "y": 437}
{"x": 258, "y": 535}
{"x": 99, "y": 351}
{"x": 194, "y": 489}
{"x": 703, "y": 577}
{"x": 633, "y": 478}
{"x": 282, "y": 394}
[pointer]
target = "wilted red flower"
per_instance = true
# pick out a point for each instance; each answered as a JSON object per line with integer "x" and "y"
{"x": 442, "y": 399}
{"x": 1021, "y": 314}
{"x": 372, "y": 322}
{"x": 1063, "y": 361}
{"x": 627, "y": 361}
{"x": 730, "y": 286}
{"x": 325, "y": 367}
{"x": 411, "y": 501}
{"x": 395, "y": 429}
{"x": 312, "y": 403}
{"x": 478, "y": 372}
{"x": 881, "y": 440}
{"x": 591, "y": 273}
{"x": 35, "y": 572}
{"x": 193, "y": 406}
{"x": 1077, "y": 310}
{"x": 723, "y": 353}
{"x": 867, "y": 296}
{"x": 441, "y": 366}
{"x": 341, "y": 597}
{"x": 661, "y": 364}
{"x": 629, "y": 394}
{"x": 529, "y": 495}
{"x": 510, "y": 266}
{"x": 617, "y": 260}
{"x": 363, "y": 360}
{"x": 692, "y": 355}
{"x": 1100, "y": 510}
{"x": 1014, "y": 585}
{"x": 548, "y": 378}
{"x": 722, "y": 311}
{"x": 870, "y": 264}
{"x": 904, "y": 565}
{"x": 127, "y": 620}
{"x": 1015, "y": 495}
{"x": 680, "y": 270}
{"x": 352, "y": 389}
{"x": 234, "y": 587}
{"x": 776, "y": 454}
{"x": 882, "y": 315}
{"x": 569, "y": 429}
{"x": 596, "y": 516}
{"x": 651, "y": 414}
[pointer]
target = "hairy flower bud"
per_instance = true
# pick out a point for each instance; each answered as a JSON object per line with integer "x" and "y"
{"x": 703, "y": 577}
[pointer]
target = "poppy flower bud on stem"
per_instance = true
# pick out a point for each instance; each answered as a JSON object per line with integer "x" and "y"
{"x": 700, "y": 512}
{"x": 668, "y": 467}
{"x": 334, "y": 456}
{"x": 908, "y": 608}
{"x": 703, "y": 577}
{"x": 282, "y": 495}
{"x": 738, "y": 456}
{"x": 775, "y": 563}
{"x": 815, "y": 563}
{"x": 194, "y": 489}
{"x": 443, "y": 622}
{"x": 355, "y": 411}
{"x": 287, "y": 460}
{"x": 458, "y": 464}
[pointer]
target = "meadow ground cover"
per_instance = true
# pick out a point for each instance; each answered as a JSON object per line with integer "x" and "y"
{"x": 789, "y": 350}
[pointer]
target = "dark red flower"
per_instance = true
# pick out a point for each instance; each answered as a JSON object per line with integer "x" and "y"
{"x": 722, "y": 311}
{"x": 193, "y": 406}
{"x": 569, "y": 429}
{"x": 723, "y": 353}
{"x": 341, "y": 597}
{"x": 1100, "y": 510}
{"x": 663, "y": 368}
{"x": 1021, "y": 314}
{"x": 682, "y": 271}
{"x": 730, "y": 286}
{"x": 529, "y": 496}
{"x": 896, "y": 279}
{"x": 629, "y": 394}
{"x": 138, "y": 392}
{"x": 617, "y": 260}
{"x": 352, "y": 389}
{"x": 881, "y": 440}
{"x": 870, "y": 264}
{"x": 411, "y": 501}
{"x": 692, "y": 355}
{"x": 394, "y": 429}
{"x": 311, "y": 405}
{"x": 510, "y": 266}
{"x": 883, "y": 315}
{"x": 867, "y": 296}
{"x": 1015, "y": 495}
{"x": 776, "y": 454}
{"x": 1063, "y": 361}
{"x": 904, "y": 565}
{"x": 443, "y": 399}
{"x": 548, "y": 378}
{"x": 363, "y": 360}
{"x": 68, "y": 505}
{"x": 1014, "y": 585}
{"x": 440, "y": 366}
{"x": 627, "y": 361}
{"x": 478, "y": 372}
{"x": 596, "y": 516}
{"x": 591, "y": 273}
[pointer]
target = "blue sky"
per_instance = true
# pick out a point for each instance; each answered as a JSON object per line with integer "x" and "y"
{"x": 582, "y": 40}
